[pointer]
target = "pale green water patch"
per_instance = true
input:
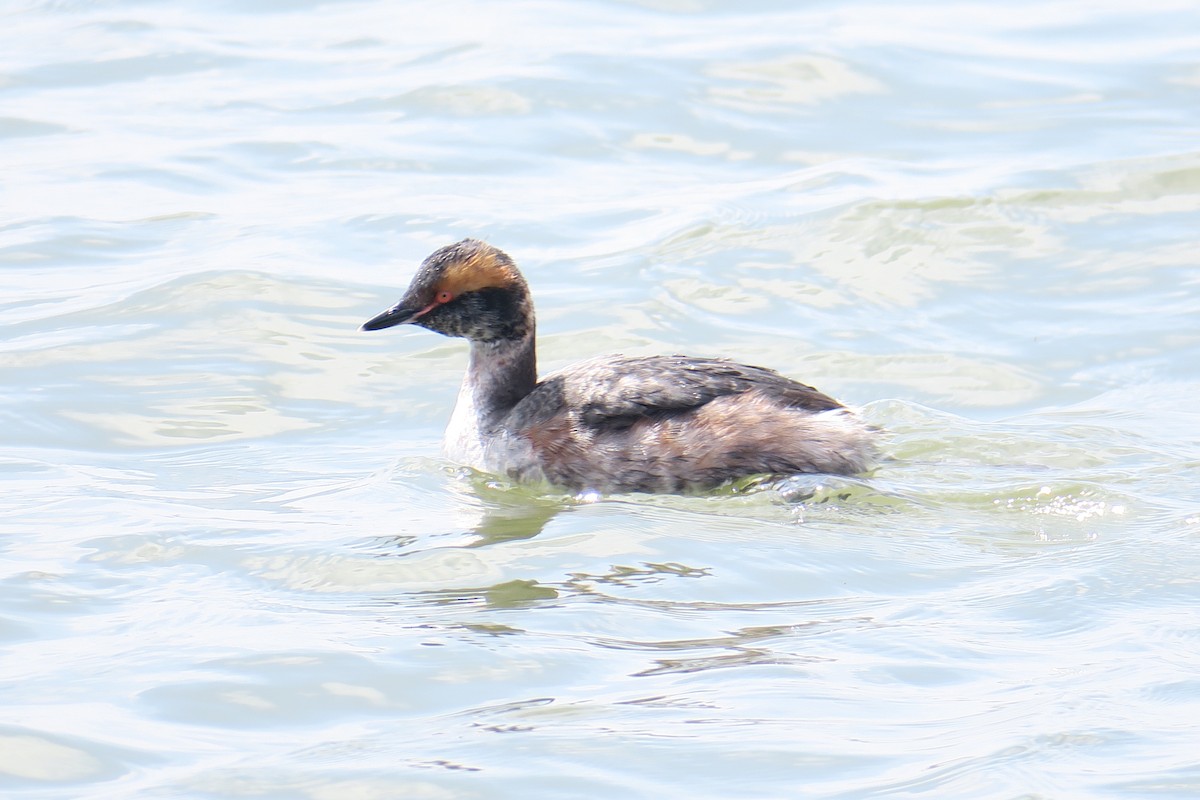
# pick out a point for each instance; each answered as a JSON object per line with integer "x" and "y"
{"x": 234, "y": 565}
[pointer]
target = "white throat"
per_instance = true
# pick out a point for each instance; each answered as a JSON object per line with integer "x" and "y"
{"x": 498, "y": 375}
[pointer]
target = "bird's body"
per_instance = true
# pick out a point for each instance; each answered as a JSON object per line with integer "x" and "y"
{"x": 613, "y": 423}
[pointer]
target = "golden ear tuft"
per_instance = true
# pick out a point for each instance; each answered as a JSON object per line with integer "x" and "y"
{"x": 484, "y": 268}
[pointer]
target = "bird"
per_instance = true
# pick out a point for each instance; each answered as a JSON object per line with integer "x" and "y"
{"x": 612, "y": 424}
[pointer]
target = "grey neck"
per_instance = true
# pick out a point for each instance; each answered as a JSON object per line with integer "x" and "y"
{"x": 500, "y": 374}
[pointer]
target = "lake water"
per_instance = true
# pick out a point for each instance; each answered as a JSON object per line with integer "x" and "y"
{"x": 233, "y": 564}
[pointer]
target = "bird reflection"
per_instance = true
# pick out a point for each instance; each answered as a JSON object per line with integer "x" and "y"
{"x": 485, "y": 512}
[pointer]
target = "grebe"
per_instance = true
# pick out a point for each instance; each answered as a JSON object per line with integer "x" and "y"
{"x": 614, "y": 423}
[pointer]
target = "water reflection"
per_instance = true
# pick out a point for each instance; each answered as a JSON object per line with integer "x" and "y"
{"x": 234, "y": 567}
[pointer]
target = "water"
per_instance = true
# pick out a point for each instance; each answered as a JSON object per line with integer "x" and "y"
{"x": 234, "y": 566}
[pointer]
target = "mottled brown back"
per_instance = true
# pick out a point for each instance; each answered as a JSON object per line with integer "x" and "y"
{"x": 673, "y": 423}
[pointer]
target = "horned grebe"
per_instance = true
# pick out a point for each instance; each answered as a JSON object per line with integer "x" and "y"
{"x": 614, "y": 423}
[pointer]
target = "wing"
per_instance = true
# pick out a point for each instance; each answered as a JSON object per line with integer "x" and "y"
{"x": 616, "y": 391}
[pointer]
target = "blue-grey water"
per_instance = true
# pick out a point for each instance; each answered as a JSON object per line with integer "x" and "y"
{"x": 233, "y": 564}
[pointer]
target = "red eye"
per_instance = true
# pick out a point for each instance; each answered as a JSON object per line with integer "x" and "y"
{"x": 444, "y": 296}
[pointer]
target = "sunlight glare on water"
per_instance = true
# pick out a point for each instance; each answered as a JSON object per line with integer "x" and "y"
{"x": 235, "y": 566}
